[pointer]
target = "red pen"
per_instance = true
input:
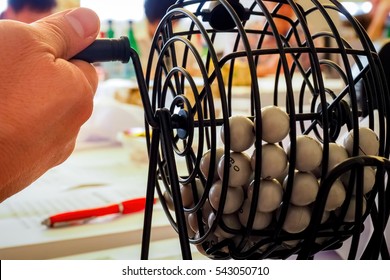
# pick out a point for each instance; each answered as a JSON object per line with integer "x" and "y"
{"x": 82, "y": 216}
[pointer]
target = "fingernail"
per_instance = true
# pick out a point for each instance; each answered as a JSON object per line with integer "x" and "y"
{"x": 84, "y": 21}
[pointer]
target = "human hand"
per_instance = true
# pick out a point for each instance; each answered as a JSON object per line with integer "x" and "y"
{"x": 44, "y": 96}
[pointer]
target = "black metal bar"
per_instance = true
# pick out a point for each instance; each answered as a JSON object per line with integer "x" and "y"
{"x": 150, "y": 195}
{"x": 166, "y": 128}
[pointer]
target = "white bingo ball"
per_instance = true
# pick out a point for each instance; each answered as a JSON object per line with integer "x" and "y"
{"x": 337, "y": 154}
{"x": 297, "y": 218}
{"x": 234, "y": 197}
{"x": 289, "y": 244}
{"x": 168, "y": 200}
{"x": 350, "y": 215}
{"x": 323, "y": 239}
{"x": 273, "y": 161}
{"x": 308, "y": 153}
{"x": 270, "y": 195}
{"x": 209, "y": 242}
{"x": 275, "y": 124}
{"x": 317, "y": 172}
{"x": 336, "y": 196}
{"x": 261, "y": 220}
{"x": 250, "y": 179}
{"x": 242, "y": 133}
{"x": 193, "y": 221}
{"x": 190, "y": 231}
{"x": 304, "y": 188}
{"x": 369, "y": 177}
{"x": 207, "y": 209}
{"x": 231, "y": 221}
{"x": 240, "y": 169}
{"x": 325, "y": 216}
{"x": 368, "y": 142}
{"x": 283, "y": 175}
{"x": 253, "y": 241}
{"x": 205, "y": 163}
{"x": 187, "y": 195}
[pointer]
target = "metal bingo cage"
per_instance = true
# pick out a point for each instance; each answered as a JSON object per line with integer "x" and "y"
{"x": 307, "y": 160}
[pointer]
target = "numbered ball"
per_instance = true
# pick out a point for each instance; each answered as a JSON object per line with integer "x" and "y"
{"x": 168, "y": 200}
{"x": 234, "y": 197}
{"x": 273, "y": 161}
{"x": 240, "y": 169}
{"x": 337, "y": 154}
{"x": 230, "y": 221}
{"x": 261, "y": 220}
{"x": 241, "y": 133}
{"x": 275, "y": 124}
{"x": 187, "y": 194}
{"x": 350, "y": 215}
{"x": 323, "y": 239}
{"x": 270, "y": 195}
{"x": 289, "y": 244}
{"x": 336, "y": 196}
{"x": 205, "y": 167}
{"x": 207, "y": 209}
{"x": 304, "y": 188}
{"x": 368, "y": 142}
{"x": 297, "y": 219}
{"x": 210, "y": 241}
{"x": 369, "y": 177}
{"x": 283, "y": 175}
{"x": 308, "y": 153}
{"x": 325, "y": 216}
{"x": 193, "y": 221}
{"x": 190, "y": 231}
{"x": 351, "y": 210}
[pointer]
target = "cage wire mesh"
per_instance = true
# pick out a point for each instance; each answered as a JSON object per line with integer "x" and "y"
{"x": 254, "y": 162}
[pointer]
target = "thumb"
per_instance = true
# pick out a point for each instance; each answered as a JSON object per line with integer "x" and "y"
{"x": 69, "y": 32}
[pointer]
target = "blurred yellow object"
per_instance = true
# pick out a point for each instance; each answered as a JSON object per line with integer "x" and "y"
{"x": 129, "y": 95}
{"x": 241, "y": 74}
{"x": 134, "y": 142}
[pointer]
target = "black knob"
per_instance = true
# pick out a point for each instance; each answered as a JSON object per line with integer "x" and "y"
{"x": 102, "y": 50}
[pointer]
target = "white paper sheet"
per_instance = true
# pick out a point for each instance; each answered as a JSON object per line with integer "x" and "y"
{"x": 89, "y": 178}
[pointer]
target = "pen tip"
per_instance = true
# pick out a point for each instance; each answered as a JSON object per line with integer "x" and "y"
{"x": 46, "y": 222}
